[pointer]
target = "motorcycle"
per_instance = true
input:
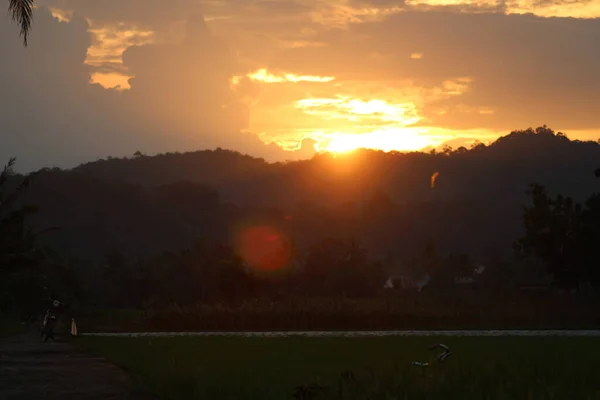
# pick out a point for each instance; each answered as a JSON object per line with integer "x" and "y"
{"x": 49, "y": 322}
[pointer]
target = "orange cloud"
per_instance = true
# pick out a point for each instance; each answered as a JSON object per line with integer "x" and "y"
{"x": 263, "y": 75}
{"x": 541, "y": 8}
{"x": 341, "y": 13}
{"x": 60, "y": 14}
{"x": 352, "y": 109}
{"x": 112, "y": 40}
{"x": 111, "y": 80}
{"x": 456, "y": 86}
{"x": 357, "y": 84}
{"x": 389, "y": 119}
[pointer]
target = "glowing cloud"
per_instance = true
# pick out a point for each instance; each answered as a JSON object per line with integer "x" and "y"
{"x": 340, "y": 14}
{"x": 352, "y": 109}
{"x": 402, "y": 139}
{"x": 107, "y": 50}
{"x": 574, "y": 9}
{"x": 111, "y": 80}
{"x": 263, "y": 75}
{"x": 457, "y": 87}
{"x": 60, "y": 14}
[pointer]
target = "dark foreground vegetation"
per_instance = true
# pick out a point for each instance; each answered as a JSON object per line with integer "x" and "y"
{"x": 387, "y": 312}
{"x": 219, "y": 241}
{"x": 357, "y": 368}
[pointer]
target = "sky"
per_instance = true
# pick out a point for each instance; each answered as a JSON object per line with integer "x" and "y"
{"x": 282, "y": 79}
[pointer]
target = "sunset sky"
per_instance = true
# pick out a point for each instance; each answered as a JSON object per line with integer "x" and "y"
{"x": 282, "y": 78}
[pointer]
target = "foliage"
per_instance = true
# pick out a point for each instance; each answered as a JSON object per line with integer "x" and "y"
{"x": 564, "y": 235}
{"x": 18, "y": 254}
{"x": 24, "y": 266}
{"x": 21, "y": 11}
{"x": 127, "y": 220}
{"x": 337, "y": 268}
{"x": 203, "y": 274}
{"x": 150, "y": 204}
{"x": 467, "y": 309}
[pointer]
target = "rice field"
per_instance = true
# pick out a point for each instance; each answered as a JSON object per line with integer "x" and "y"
{"x": 411, "y": 333}
{"x": 359, "y": 367}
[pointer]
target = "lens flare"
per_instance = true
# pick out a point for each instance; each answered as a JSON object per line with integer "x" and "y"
{"x": 434, "y": 179}
{"x": 263, "y": 247}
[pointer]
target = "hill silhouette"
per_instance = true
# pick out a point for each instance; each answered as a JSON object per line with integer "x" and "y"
{"x": 145, "y": 205}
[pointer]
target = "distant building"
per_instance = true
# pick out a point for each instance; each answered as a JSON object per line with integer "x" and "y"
{"x": 407, "y": 282}
{"x": 416, "y": 278}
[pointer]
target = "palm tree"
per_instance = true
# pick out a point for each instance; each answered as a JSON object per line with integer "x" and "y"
{"x": 23, "y": 263}
{"x": 14, "y": 239}
{"x": 17, "y": 242}
{"x": 21, "y": 11}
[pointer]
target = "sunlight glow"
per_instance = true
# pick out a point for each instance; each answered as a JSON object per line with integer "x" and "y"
{"x": 400, "y": 139}
{"x": 263, "y": 75}
{"x": 351, "y": 109}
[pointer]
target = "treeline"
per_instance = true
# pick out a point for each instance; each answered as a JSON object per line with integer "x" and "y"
{"x": 147, "y": 204}
{"x": 565, "y": 236}
{"x": 346, "y": 252}
{"x": 214, "y": 274}
{"x": 334, "y": 286}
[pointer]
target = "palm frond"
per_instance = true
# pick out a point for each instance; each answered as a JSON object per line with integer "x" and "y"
{"x": 7, "y": 171}
{"x": 21, "y": 11}
{"x": 7, "y": 202}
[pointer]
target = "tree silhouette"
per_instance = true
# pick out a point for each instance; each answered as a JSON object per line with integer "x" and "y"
{"x": 16, "y": 242}
{"x": 559, "y": 232}
{"x": 21, "y": 12}
{"x": 20, "y": 280}
{"x": 335, "y": 267}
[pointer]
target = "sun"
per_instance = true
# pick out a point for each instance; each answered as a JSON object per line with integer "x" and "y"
{"x": 342, "y": 144}
{"x": 399, "y": 139}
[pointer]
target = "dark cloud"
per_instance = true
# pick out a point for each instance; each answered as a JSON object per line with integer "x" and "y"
{"x": 159, "y": 14}
{"x": 278, "y": 6}
{"x": 156, "y": 13}
{"x": 180, "y": 98}
{"x": 529, "y": 70}
{"x": 42, "y": 88}
{"x": 377, "y": 3}
{"x": 524, "y": 71}
{"x": 545, "y": 3}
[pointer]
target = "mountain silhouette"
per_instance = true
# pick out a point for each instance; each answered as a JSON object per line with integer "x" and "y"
{"x": 144, "y": 205}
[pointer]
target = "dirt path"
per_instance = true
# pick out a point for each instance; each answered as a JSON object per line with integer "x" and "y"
{"x": 30, "y": 369}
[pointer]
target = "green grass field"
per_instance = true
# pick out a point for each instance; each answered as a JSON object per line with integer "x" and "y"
{"x": 271, "y": 368}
